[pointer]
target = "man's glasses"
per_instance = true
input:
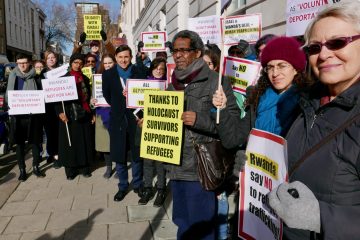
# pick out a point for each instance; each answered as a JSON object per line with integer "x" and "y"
{"x": 332, "y": 44}
{"x": 182, "y": 50}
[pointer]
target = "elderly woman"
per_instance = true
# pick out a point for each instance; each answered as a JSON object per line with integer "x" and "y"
{"x": 78, "y": 117}
{"x": 323, "y": 195}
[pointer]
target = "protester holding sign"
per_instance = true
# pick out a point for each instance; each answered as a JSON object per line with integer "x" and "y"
{"x": 25, "y": 127}
{"x": 273, "y": 101}
{"x": 102, "y": 138}
{"x": 261, "y": 43}
{"x": 194, "y": 208}
{"x": 51, "y": 122}
{"x": 322, "y": 199}
{"x": 79, "y": 118}
{"x": 122, "y": 120}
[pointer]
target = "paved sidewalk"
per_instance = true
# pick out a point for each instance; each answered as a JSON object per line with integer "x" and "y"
{"x": 53, "y": 208}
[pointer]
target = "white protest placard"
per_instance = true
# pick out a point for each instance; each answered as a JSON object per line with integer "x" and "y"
{"x": 246, "y": 27}
{"x": 208, "y": 28}
{"x": 241, "y": 72}
{"x": 299, "y": 14}
{"x": 97, "y": 91}
{"x": 265, "y": 169}
{"x": 136, "y": 90}
{"x": 170, "y": 67}
{"x": 57, "y": 72}
{"x": 153, "y": 41}
{"x": 26, "y": 102}
{"x": 59, "y": 89}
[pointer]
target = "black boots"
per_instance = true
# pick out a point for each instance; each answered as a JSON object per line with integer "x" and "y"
{"x": 160, "y": 198}
{"x": 146, "y": 196}
{"x": 108, "y": 172}
{"x": 37, "y": 172}
{"x": 22, "y": 176}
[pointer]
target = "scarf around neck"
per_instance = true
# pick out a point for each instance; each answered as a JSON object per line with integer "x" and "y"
{"x": 81, "y": 89}
{"x": 185, "y": 76}
{"x": 124, "y": 73}
{"x": 29, "y": 81}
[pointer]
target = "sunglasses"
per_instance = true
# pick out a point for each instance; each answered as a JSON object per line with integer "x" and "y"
{"x": 332, "y": 44}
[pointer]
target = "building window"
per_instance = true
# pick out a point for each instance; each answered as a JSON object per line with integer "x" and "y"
{"x": 238, "y": 3}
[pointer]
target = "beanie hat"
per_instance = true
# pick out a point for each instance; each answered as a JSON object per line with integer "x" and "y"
{"x": 77, "y": 56}
{"x": 94, "y": 43}
{"x": 284, "y": 48}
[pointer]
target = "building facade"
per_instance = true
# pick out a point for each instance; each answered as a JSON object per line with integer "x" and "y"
{"x": 25, "y": 29}
{"x": 171, "y": 15}
{"x": 3, "y": 58}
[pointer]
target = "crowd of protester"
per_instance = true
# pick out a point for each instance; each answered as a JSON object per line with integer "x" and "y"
{"x": 305, "y": 92}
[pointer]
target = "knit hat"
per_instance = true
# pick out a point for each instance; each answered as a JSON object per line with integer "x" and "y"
{"x": 77, "y": 56}
{"x": 284, "y": 48}
{"x": 94, "y": 43}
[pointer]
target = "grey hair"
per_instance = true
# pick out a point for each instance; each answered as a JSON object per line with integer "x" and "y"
{"x": 195, "y": 40}
{"x": 347, "y": 10}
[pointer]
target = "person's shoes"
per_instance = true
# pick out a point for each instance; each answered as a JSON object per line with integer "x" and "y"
{"x": 160, "y": 198}
{"x": 22, "y": 176}
{"x": 50, "y": 159}
{"x": 120, "y": 195}
{"x": 70, "y": 178}
{"x": 57, "y": 164}
{"x": 86, "y": 175}
{"x": 139, "y": 191}
{"x": 37, "y": 172}
{"x": 108, "y": 172}
{"x": 116, "y": 176}
{"x": 146, "y": 196}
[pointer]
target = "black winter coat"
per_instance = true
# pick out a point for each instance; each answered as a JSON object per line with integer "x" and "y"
{"x": 333, "y": 172}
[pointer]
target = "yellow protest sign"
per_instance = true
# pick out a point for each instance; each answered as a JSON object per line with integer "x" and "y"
{"x": 92, "y": 27}
{"x": 162, "y": 129}
{"x": 87, "y": 71}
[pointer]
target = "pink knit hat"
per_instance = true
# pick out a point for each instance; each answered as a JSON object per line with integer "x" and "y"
{"x": 284, "y": 48}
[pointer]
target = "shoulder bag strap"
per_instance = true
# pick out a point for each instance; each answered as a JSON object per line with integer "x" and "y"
{"x": 324, "y": 141}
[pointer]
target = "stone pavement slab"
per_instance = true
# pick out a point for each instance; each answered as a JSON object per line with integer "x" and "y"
{"x": 18, "y": 195}
{"x": 44, "y": 235}
{"x": 111, "y": 216}
{"x": 145, "y": 213}
{"x": 43, "y": 193}
{"x": 18, "y": 208}
{"x": 55, "y": 205}
{"x": 90, "y": 202}
{"x": 37, "y": 183}
{"x": 60, "y": 220}
{"x": 76, "y": 190}
{"x": 4, "y": 222}
{"x": 164, "y": 229}
{"x": 27, "y": 223}
{"x": 10, "y": 237}
{"x": 130, "y": 231}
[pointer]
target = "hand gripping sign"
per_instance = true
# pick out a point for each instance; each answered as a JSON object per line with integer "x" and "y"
{"x": 153, "y": 41}
{"x": 97, "y": 91}
{"x": 265, "y": 169}
{"x": 161, "y": 136}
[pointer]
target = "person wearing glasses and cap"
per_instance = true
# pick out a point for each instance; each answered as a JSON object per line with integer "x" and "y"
{"x": 322, "y": 198}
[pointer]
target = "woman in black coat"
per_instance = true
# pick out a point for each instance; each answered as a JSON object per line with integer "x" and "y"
{"x": 79, "y": 118}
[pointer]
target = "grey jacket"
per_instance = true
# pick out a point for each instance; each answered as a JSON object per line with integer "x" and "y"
{"x": 198, "y": 98}
{"x": 333, "y": 172}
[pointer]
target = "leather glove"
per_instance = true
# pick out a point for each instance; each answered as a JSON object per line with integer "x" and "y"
{"x": 82, "y": 37}
{"x": 140, "y": 45}
{"x": 296, "y": 205}
{"x": 103, "y": 35}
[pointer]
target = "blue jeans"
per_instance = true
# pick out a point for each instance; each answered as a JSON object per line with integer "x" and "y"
{"x": 194, "y": 210}
{"x": 223, "y": 209}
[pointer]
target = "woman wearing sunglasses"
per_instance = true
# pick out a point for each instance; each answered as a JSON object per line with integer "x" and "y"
{"x": 322, "y": 200}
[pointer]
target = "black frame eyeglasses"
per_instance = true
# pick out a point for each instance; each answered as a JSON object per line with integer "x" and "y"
{"x": 332, "y": 44}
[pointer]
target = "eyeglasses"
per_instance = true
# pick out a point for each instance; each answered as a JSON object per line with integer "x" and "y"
{"x": 78, "y": 62}
{"x": 182, "y": 50}
{"x": 90, "y": 61}
{"x": 236, "y": 53}
{"x": 332, "y": 44}
{"x": 280, "y": 67}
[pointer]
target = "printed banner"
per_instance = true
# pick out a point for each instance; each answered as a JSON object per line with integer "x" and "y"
{"x": 170, "y": 67}
{"x": 246, "y": 27}
{"x": 241, "y": 72}
{"x": 59, "y": 89}
{"x": 162, "y": 130}
{"x": 57, "y": 72}
{"x": 207, "y": 27}
{"x": 97, "y": 91}
{"x": 299, "y": 14}
{"x": 153, "y": 41}
{"x": 92, "y": 27}
{"x": 87, "y": 71}
{"x": 265, "y": 169}
{"x": 136, "y": 89}
{"x": 26, "y": 102}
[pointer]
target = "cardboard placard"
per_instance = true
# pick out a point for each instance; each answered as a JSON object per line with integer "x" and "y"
{"x": 153, "y": 41}
{"x": 97, "y": 91}
{"x": 26, "y": 102}
{"x": 59, "y": 89}
{"x": 208, "y": 28}
{"x": 92, "y": 27}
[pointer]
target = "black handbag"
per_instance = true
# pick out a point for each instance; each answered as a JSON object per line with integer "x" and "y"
{"x": 214, "y": 163}
{"x": 75, "y": 112}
